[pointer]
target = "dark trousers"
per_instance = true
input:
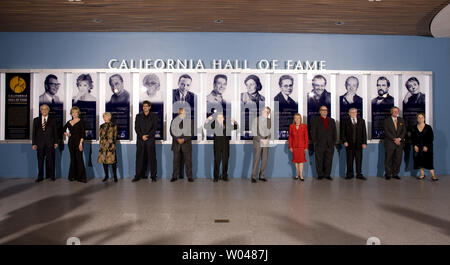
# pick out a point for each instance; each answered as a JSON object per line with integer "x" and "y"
{"x": 146, "y": 155}
{"x": 353, "y": 154}
{"x": 46, "y": 154}
{"x": 393, "y": 159}
{"x": 106, "y": 169}
{"x": 324, "y": 160}
{"x": 77, "y": 170}
{"x": 221, "y": 155}
{"x": 177, "y": 166}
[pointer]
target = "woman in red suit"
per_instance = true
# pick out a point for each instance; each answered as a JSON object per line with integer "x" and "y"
{"x": 298, "y": 144}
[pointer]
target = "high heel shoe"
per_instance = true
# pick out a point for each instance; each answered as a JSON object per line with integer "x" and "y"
{"x": 302, "y": 179}
{"x": 422, "y": 177}
{"x": 434, "y": 179}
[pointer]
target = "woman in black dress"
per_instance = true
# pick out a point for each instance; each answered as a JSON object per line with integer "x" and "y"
{"x": 74, "y": 129}
{"x": 422, "y": 139}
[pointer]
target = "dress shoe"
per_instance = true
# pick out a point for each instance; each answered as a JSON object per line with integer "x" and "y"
{"x": 173, "y": 179}
{"x": 396, "y": 177}
{"x": 145, "y": 177}
{"x": 83, "y": 180}
{"x": 387, "y": 177}
{"x": 361, "y": 177}
{"x": 53, "y": 178}
{"x": 320, "y": 177}
{"x": 39, "y": 180}
{"x": 225, "y": 178}
{"x": 348, "y": 177}
{"x": 263, "y": 179}
{"x": 136, "y": 179}
{"x": 105, "y": 179}
{"x": 153, "y": 179}
{"x": 115, "y": 179}
{"x": 191, "y": 179}
{"x": 253, "y": 180}
{"x": 216, "y": 179}
{"x": 329, "y": 178}
{"x": 181, "y": 177}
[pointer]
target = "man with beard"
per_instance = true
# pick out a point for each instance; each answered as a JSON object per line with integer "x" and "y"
{"x": 381, "y": 107}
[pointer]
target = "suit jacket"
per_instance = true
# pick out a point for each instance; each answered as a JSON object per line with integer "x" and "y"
{"x": 298, "y": 138}
{"x": 49, "y": 137}
{"x": 347, "y": 128}
{"x": 284, "y": 104}
{"x": 187, "y": 145}
{"x": 390, "y": 132}
{"x": 146, "y": 125}
{"x": 258, "y": 134}
{"x": 190, "y": 97}
{"x": 321, "y": 137}
{"x": 222, "y": 141}
{"x": 387, "y": 101}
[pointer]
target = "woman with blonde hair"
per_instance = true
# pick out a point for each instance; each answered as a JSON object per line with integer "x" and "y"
{"x": 298, "y": 144}
{"x": 74, "y": 130}
{"x": 107, "y": 148}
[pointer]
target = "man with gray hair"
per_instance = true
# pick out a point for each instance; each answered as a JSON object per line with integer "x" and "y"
{"x": 45, "y": 141}
{"x": 354, "y": 137}
{"x": 261, "y": 131}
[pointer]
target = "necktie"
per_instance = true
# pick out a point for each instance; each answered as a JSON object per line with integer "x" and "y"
{"x": 353, "y": 121}
{"x": 182, "y": 97}
{"x": 44, "y": 124}
{"x": 395, "y": 124}
{"x": 53, "y": 100}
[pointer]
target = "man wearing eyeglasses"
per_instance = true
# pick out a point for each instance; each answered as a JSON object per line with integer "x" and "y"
{"x": 51, "y": 89}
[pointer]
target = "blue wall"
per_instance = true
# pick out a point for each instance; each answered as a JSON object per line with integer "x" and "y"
{"x": 342, "y": 52}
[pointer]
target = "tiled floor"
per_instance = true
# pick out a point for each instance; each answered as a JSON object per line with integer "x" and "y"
{"x": 281, "y": 211}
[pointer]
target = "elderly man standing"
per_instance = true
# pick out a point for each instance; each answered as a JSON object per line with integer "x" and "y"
{"x": 394, "y": 139}
{"x": 354, "y": 137}
{"x": 45, "y": 141}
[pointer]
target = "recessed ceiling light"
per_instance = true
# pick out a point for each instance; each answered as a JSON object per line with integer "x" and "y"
{"x": 74, "y": 0}
{"x": 218, "y": 21}
{"x": 97, "y": 20}
{"x": 339, "y": 23}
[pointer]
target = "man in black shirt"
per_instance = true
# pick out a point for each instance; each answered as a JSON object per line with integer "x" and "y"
{"x": 145, "y": 126}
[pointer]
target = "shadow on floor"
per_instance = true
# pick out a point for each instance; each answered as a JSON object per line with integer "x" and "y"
{"x": 419, "y": 216}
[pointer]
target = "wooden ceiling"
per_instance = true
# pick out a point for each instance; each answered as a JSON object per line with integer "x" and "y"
{"x": 400, "y": 17}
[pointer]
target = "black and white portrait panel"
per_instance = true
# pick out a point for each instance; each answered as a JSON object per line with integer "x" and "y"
{"x": 349, "y": 90}
{"x": 117, "y": 92}
{"x": 152, "y": 88}
{"x": 284, "y": 89}
{"x": 413, "y": 95}
{"x": 380, "y": 90}
{"x": 52, "y": 93}
{"x": 219, "y": 91}
{"x": 317, "y": 89}
{"x": 253, "y": 100}
{"x": 118, "y": 88}
{"x": 84, "y": 96}
{"x": 186, "y": 88}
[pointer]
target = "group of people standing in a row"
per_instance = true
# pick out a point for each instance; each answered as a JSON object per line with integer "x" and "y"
{"x": 322, "y": 135}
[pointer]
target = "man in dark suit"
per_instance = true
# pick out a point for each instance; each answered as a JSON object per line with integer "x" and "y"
{"x": 222, "y": 134}
{"x": 145, "y": 126}
{"x": 394, "y": 140}
{"x": 318, "y": 97}
{"x": 182, "y": 93}
{"x": 45, "y": 141}
{"x": 354, "y": 137}
{"x": 182, "y": 130}
{"x": 323, "y": 135}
